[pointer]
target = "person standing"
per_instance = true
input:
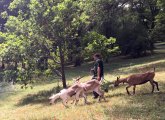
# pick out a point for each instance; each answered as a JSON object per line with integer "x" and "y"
{"x": 97, "y": 70}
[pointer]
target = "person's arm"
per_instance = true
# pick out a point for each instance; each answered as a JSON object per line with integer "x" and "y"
{"x": 98, "y": 73}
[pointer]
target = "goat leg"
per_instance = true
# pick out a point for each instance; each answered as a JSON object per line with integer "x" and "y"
{"x": 76, "y": 102}
{"x": 77, "y": 96}
{"x": 127, "y": 89}
{"x": 72, "y": 102}
{"x": 102, "y": 94}
{"x": 152, "y": 84}
{"x": 98, "y": 91}
{"x": 134, "y": 89}
{"x": 64, "y": 103}
{"x": 156, "y": 83}
{"x": 85, "y": 98}
{"x": 103, "y": 97}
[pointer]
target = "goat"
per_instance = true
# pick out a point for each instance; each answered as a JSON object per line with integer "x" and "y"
{"x": 72, "y": 92}
{"x": 138, "y": 79}
{"x": 90, "y": 86}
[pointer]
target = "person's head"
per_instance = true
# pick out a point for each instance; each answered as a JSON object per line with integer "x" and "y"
{"x": 97, "y": 56}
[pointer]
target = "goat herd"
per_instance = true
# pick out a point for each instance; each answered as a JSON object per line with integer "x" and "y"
{"x": 79, "y": 89}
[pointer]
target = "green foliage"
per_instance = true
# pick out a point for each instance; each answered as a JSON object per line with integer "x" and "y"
{"x": 106, "y": 85}
{"x": 45, "y": 34}
{"x": 25, "y": 77}
{"x": 4, "y": 14}
{"x": 159, "y": 30}
{"x": 97, "y": 43}
{"x": 11, "y": 47}
{"x": 9, "y": 75}
{"x": 45, "y": 29}
{"x": 135, "y": 41}
{"x": 13, "y": 51}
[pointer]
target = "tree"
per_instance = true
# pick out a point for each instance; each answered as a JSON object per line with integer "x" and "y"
{"x": 97, "y": 43}
{"x": 4, "y": 11}
{"x": 120, "y": 19}
{"x": 159, "y": 30}
{"x": 51, "y": 24}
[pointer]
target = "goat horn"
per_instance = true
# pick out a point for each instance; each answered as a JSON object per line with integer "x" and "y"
{"x": 118, "y": 77}
{"x": 79, "y": 78}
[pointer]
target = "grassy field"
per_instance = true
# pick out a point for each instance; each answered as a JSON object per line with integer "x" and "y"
{"x": 32, "y": 104}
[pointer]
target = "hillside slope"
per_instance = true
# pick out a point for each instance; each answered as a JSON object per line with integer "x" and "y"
{"x": 32, "y": 104}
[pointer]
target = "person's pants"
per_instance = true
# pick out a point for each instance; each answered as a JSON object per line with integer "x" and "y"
{"x": 96, "y": 95}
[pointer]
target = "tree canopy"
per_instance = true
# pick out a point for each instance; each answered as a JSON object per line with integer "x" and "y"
{"x": 45, "y": 35}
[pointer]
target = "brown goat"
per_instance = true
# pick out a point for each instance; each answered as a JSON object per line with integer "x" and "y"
{"x": 138, "y": 79}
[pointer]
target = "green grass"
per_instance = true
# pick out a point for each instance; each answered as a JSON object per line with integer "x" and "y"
{"x": 32, "y": 104}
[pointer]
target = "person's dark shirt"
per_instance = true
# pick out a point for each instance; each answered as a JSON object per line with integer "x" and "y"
{"x": 98, "y": 63}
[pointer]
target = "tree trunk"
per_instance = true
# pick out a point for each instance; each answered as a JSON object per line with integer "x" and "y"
{"x": 62, "y": 66}
{"x": 23, "y": 64}
{"x": 3, "y": 65}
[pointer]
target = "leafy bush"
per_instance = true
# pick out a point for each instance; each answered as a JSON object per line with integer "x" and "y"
{"x": 106, "y": 85}
{"x": 97, "y": 43}
{"x": 135, "y": 41}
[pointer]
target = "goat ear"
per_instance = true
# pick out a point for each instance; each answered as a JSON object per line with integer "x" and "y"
{"x": 78, "y": 78}
{"x": 118, "y": 78}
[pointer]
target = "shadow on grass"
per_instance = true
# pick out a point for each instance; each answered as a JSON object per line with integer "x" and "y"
{"x": 95, "y": 101}
{"x": 114, "y": 66}
{"x": 39, "y": 98}
{"x": 116, "y": 95}
{"x": 116, "y": 63}
{"x": 42, "y": 80}
{"x": 143, "y": 105}
{"x": 42, "y": 96}
{"x": 121, "y": 62}
{"x": 4, "y": 96}
{"x": 126, "y": 64}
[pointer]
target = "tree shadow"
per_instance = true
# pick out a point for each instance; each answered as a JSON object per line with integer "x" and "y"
{"x": 42, "y": 80}
{"x": 4, "y": 96}
{"x": 90, "y": 103}
{"x": 116, "y": 95}
{"x": 115, "y": 67}
{"x": 120, "y": 66}
{"x": 123, "y": 62}
{"x": 39, "y": 98}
